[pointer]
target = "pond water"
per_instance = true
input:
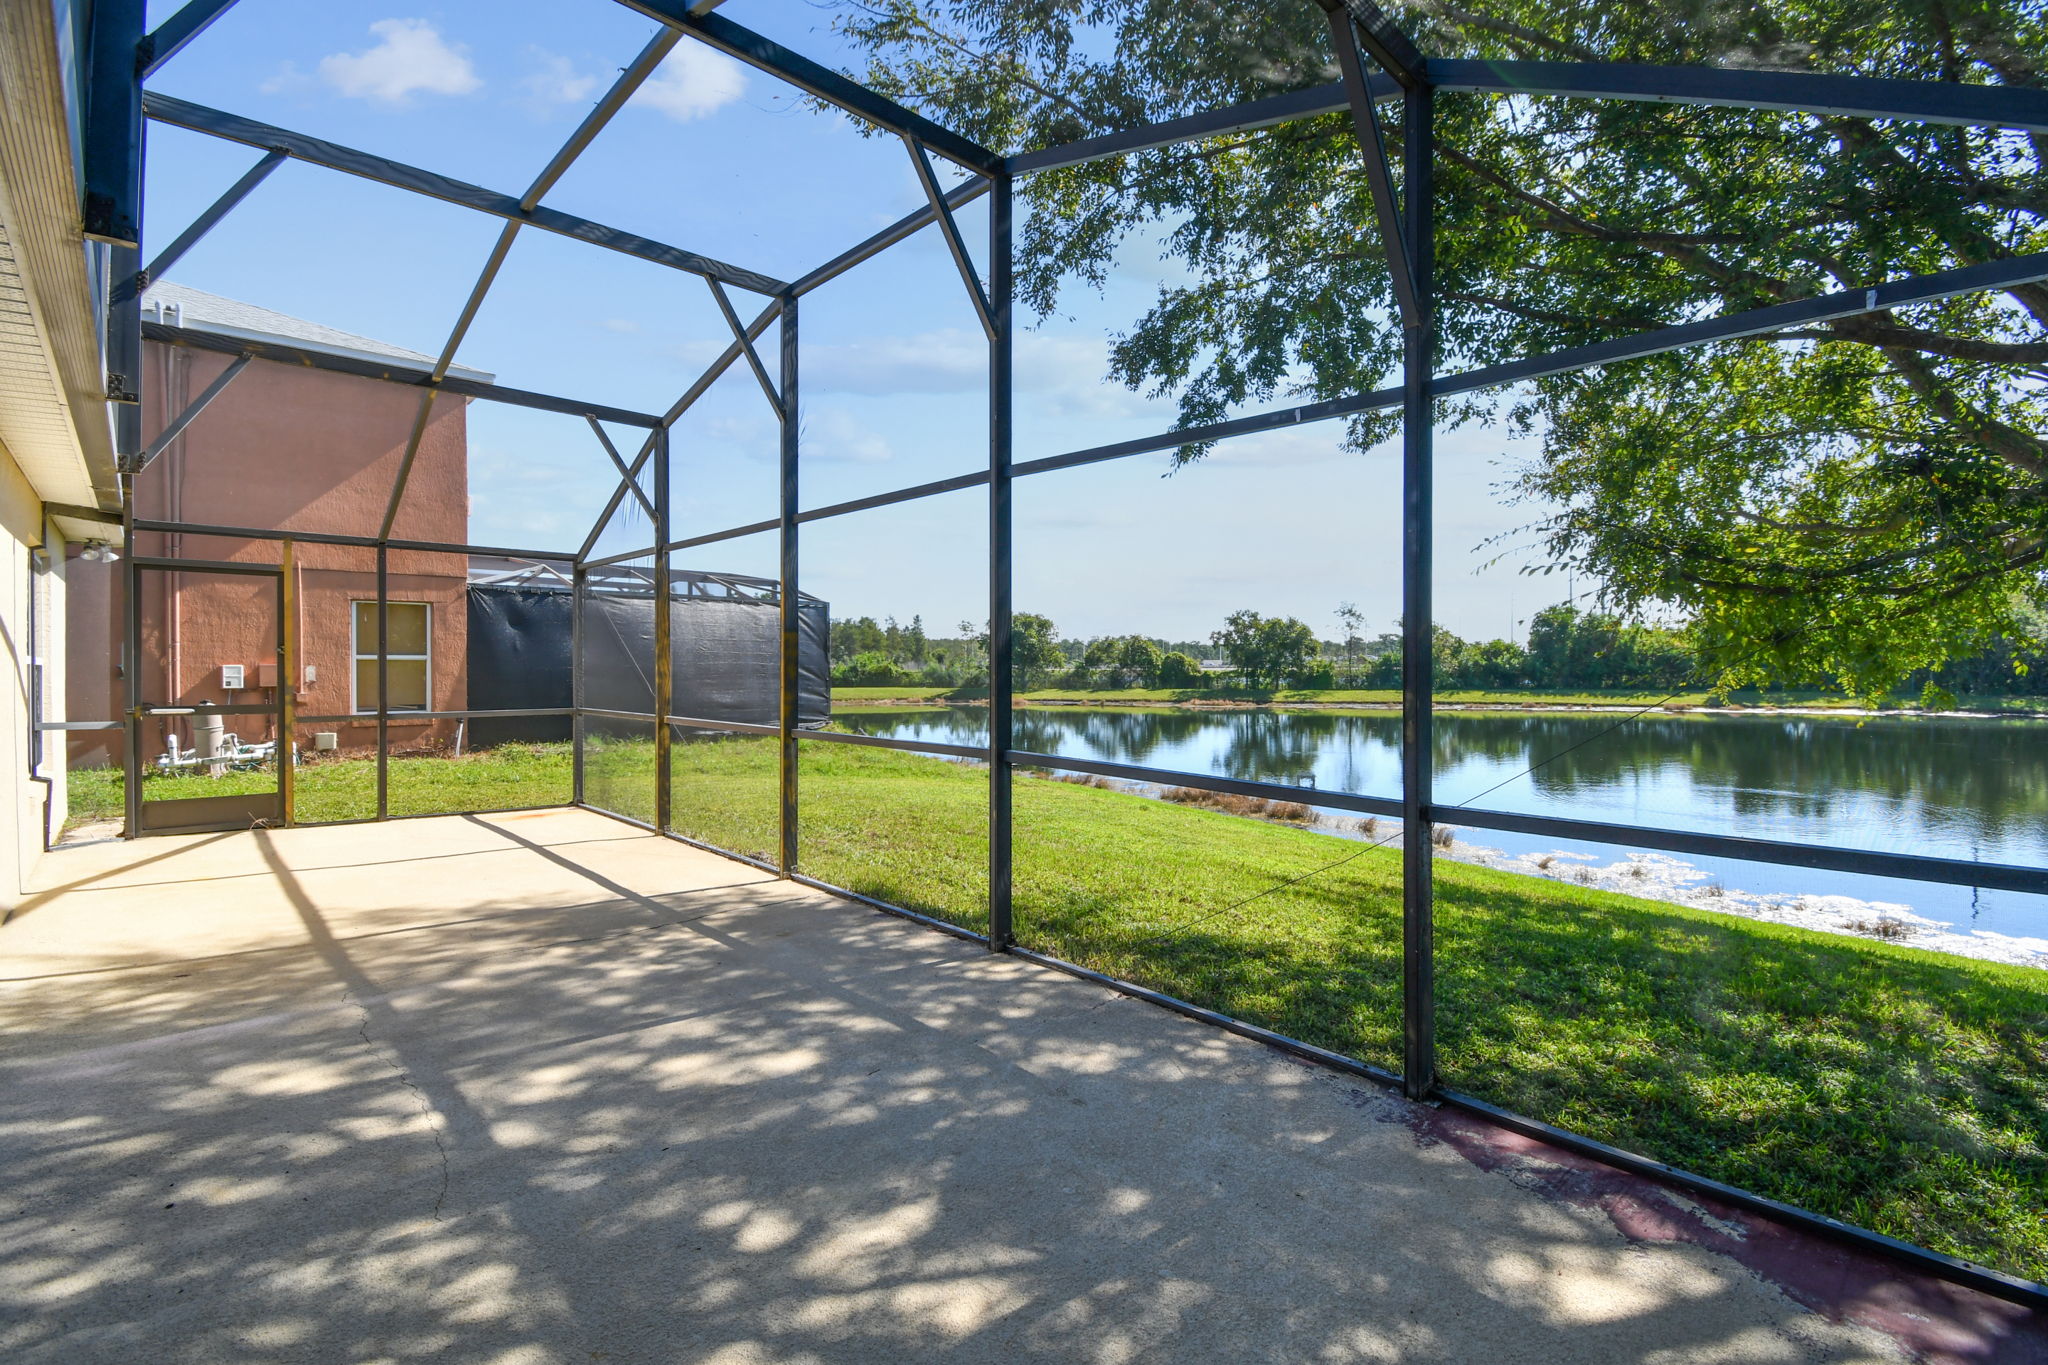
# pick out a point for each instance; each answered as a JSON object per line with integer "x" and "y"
{"x": 1938, "y": 786}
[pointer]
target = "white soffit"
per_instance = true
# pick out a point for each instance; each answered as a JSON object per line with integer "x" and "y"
{"x": 53, "y": 418}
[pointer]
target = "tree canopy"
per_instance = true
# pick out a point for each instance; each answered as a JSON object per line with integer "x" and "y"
{"x": 1849, "y": 502}
{"x": 1265, "y": 650}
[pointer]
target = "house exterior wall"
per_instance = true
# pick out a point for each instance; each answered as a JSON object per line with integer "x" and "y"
{"x": 34, "y": 791}
{"x": 293, "y": 449}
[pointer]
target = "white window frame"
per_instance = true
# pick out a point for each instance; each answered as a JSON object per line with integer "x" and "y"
{"x": 357, "y": 656}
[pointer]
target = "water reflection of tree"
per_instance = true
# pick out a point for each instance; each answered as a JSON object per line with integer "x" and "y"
{"x": 1984, "y": 777}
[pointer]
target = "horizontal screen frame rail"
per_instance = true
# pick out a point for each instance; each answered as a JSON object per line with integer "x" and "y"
{"x": 1913, "y": 867}
{"x": 978, "y": 752}
{"x": 443, "y": 547}
{"x": 405, "y": 376}
{"x": 1742, "y": 325}
{"x": 406, "y": 717}
{"x": 1819, "y": 93}
{"x": 1167, "y": 777}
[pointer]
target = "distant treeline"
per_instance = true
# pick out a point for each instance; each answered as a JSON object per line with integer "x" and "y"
{"x": 1567, "y": 650}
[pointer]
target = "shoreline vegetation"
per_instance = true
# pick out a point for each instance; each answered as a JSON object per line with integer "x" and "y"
{"x": 1366, "y": 699}
{"x": 1901, "y": 1089}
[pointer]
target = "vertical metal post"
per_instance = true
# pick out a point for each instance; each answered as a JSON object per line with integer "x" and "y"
{"x": 579, "y": 580}
{"x": 788, "y": 589}
{"x": 111, "y": 207}
{"x": 664, "y": 650}
{"x": 1418, "y": 1069}
{"x": 383, "y": 682}
{"x": 131, "y": 662}
{"x": 287, "y": 679}
{"x": 1000, "y": 682}
{"x": 124, "y": 354}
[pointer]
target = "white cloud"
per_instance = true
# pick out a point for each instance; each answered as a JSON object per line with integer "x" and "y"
{"x": 836, "y": 435}
{"x": 411, "y": 58}
{"x": 558, "y": 81}
{"x": 693, "y": 82}
{"x": 1068, "y": 376}
{"x": 947, "y": 361}
{"x": 1063, "y": 376}
{"x": 286, "y": 79}
{"x": 624, "y": 326}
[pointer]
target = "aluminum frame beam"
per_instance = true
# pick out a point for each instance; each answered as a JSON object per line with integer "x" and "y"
{"x": 1873, "y": 97}
{"x": 1775, "y": 852}
{"x": 789, "y": 607}
{"x": 1747, "y": 323}
{"x": 900, "y": 230}
{"x": 1382, "y": 37}
{"x": 198, "y": 528}
{"x": 200, "y": 339}
{"x": 819, "y": 82}
{"x": 1237, "y": 118}
{"x": 1001, "y": 325}
{"x": 683, "y": 404}
{"x": 629, "y": 80}
{"x": 957, "y": 245}
{"x": 1418, "y": 620}
{"x": 1751, "y": 322}
{"x": 1970, "y": 106}
{"x": 619, "y": 463}
{"x": 746, "y": 345}
{"x": 315, "y": 151}
{"x": 204, "y": 223}
{"x": 170, "y": 37}
{"x": 111, "y": 156}
{"x": 176, "y": 426}
{"x": 1365, "y": 123}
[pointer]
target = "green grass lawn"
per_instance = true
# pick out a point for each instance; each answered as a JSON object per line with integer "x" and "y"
{"x": 1387, "y": 697}
{"x": 346, "y": 789}
{"x": 1902, "y": 1090}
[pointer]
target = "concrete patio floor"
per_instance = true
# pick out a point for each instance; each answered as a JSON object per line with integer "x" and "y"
{"x": 545, "y": 1088}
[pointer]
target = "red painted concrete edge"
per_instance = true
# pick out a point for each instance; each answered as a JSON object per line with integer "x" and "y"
{"x": 1934, "y": 1321}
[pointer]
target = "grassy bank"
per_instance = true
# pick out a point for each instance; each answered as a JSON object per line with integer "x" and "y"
{"x": 1340, "y": 696}
{"x": 1902, "y": 1090}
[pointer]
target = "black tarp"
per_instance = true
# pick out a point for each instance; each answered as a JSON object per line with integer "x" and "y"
{"x": 726, "y": 659}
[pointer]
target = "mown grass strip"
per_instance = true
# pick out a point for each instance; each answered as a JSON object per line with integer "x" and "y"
{"x": 1349, "y": 696}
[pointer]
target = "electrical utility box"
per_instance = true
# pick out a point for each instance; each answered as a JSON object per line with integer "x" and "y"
{"x": 231, "y": 678}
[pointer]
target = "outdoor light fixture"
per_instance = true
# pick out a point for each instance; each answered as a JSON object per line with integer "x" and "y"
{"x": 99, "y": 552}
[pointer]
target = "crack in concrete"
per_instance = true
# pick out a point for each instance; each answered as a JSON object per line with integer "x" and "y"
{"x": 426, "y": 1108}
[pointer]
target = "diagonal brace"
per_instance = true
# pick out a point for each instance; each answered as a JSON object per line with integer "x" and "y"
{"x": 184, "y": 419}
{"x": 745, "y": 343}
{"x": 1383, "y": 38}
{"x": 204, "y": 223}
{"x": 619, "y": 463}
{"x": 173, "y": 33}
{"x": 628, "y": 81}
{"x": 954, "y": 242}
{"x": 1365, "y": 122}
{"x": 682, "y": 405}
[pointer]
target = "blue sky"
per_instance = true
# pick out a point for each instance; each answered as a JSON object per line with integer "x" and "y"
{"x": 725, "y": 161}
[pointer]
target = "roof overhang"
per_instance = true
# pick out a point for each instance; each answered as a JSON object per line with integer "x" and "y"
{"x": 53, "y": 413}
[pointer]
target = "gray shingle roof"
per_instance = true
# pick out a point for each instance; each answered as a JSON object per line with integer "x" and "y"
{"x": 182, "y": 305}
